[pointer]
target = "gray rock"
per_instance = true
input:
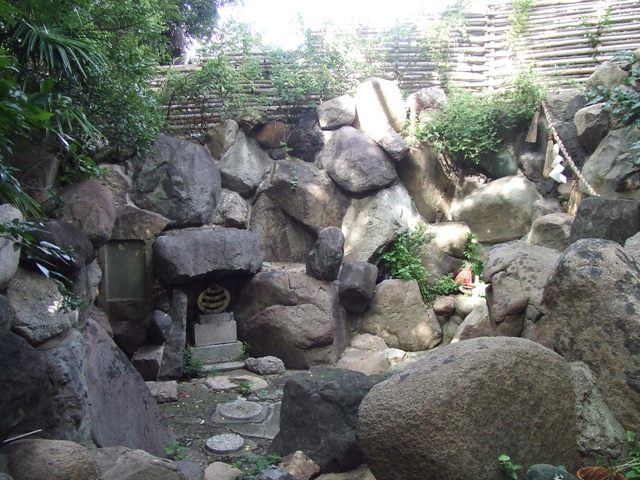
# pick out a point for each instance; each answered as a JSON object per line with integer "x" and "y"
{"x": 287, "y": 314}
{"x": 306, "y": 138}
{"x": 122, "y": 410}
{"x": 477, "y": 324}
{"x": 444, "y": 306}
{"x": 551, "y": 231}
{"x": 272, "y": 134}
{"x": 607, "y": 218}
{"x": 366, "y": 341}
{"x": 547, "y": 472}
{"x": 535, "y": 407}
{"x": 299, "y": 466}
{"x": 274, "y": 473}
{"x": 283, "y": 239}
{"x": 244, "y": 166}
{"x": 72, "y": 240}
{"x": 511, "y": 196}
{"x": 231, "y": 211}
{"x": 599, "y": 433}
{"x": 449, "y": 331}
{"x": 517, "y": 273}
{"x": 632, "y": 247}
{"x": 307, "y": 194}
{"x": 379, "y": 103}
{"x": 9, "y": 256}
{"x": 563, "y": 105}
{"x": 392, "y": 143}
{"x": 464, "y": 305}
{"x": 372, "y": 223}
{"x": 119, "y": 182}
{"x": 591, "y": 306}
{"x": 370, "y": 362}
{"x": 159, "y": 327}
{"x": 37, "y": 304}
{"x": 607, "y": 75}
{"x": 423, "y": 103}
{"x": 421, "y": 172}
{"x": 399, "y": 315}
{"x": 499, "y": 164}
{"x": 193, "y": 471}
{"x": 177, "y": 179}
{"x": 612, "y": 170}
{"x": 176, "y": 337}
{"x": 164, "y": 392}
{"x": 531, "y": 163}
{"x": 147, "y": 361}
{"x": 324, "y": 260}
{"x": 90, "y": 206}
{"x": 319, "y": 415}
{"x": 139, "y": 465}
{"x": 26, "y": 394}
{"x": 221, "y": 137}
{"x": 337, "y": 112}
{"x": 545, "y": 206}
{"x": 68, "y": 417}
{"x": 7, "y": 315}
{"x": 592, "y": 124}
{"x": 264, "y": 365}
{"x": 221, "y": 471}
{"x": 128, "y": 334}
{"x": 449, "y": 237}
{"x": 356, "y": 163}
{"x": 31, "y": 459}
{"x": 197, "y": 253}
{"x": 357, "y": 283}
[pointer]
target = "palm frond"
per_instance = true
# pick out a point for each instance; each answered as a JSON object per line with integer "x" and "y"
{"x": 56, "y": 51}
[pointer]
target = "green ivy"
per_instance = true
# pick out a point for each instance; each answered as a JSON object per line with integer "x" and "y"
{"x": 252, "y": 465}
{"x": 191, "y": 366}
{"x": 471, "y": 254}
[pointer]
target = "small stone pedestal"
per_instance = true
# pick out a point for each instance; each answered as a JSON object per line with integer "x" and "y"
{"x": 215, "y": 339}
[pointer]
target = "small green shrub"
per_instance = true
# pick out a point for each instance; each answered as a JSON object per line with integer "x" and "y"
{"x": 252, "y": 465}
{"x": 471, "y": 254}
{"x": 469, "y": 124}
{"x": 173, "y": 451}
{"x": 445, "y": 285}
{"x": 244, "y": 388}
{"x": 509, "y": 469}
{"x": 246, "y": 351}
{"x": 191, "y": 366}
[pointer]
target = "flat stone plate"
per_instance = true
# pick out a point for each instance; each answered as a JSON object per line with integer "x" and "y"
{"x": 224, "y": 443}
{"x": 239, "y": 411}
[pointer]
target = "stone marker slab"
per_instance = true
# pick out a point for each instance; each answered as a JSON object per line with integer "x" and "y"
{"x": 214, "y": 333}
{"x": 224, "y": 352}
{"x": 224, "y": 443}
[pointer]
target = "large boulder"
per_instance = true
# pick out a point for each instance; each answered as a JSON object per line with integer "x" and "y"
{"x": 551, "y": 231}
{"x": 176, "y": 335}
{"x": 477, "y": 324}
{"x": 357, "y": 284}
{"x": 71, "y": 239}
{"x": 306, "y": 138}
{"x": 356, "y": 163}
{"x": 608, "y": 218}
{"x": 283, "y": 239}
{"x": 272, "y": 134}
{"x": 38, "y": 307}
{"x": 177, "y": 179}
{"x": 232, "y": 211}
{"x": 244, "y": 165}
{"x": 612, "y": 170}
{"x": 337, "y": 112}
{"x": 372, "y": 223}
{"x": 290, "y": 315}
{"x": 398, "y": 315}
{"x": 563, "y": 106}
{"x": 517, "y": 273}
{"x": 126, "y": 464}
{"x": 324, "y": 260}
{"x": 9, "y": 256}
{"x": 90, "y": 206}
{"x": 194, "y": 253}
{"x": 424, "y": 177}
{"x": 307, "y": 194}
{"x": 505, "y": 394}
{"x": 425, "y": 102}
{"x": 26, "y": 394}
{"x": 379, "y": 104}
{"x": 591, "y": 302}
{"x": 37, "y": 459}
{"x": 607, "y": 75}
{"x": 512, "y": 197}
{"x": 319, "y": 415}
{"x": 122, "y": 409}
{"x": 592, "y": 124}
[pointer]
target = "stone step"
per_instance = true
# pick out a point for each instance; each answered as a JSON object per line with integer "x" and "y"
{"x": 222, "y": 367}
{"x": 224, "y": 352}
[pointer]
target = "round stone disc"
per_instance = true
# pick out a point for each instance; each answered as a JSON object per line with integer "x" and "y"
{"x": 225, "y": 443}
{"x": 240, "y": 410}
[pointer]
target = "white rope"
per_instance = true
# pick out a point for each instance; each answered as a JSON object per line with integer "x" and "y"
{"x": 565, "y": 153}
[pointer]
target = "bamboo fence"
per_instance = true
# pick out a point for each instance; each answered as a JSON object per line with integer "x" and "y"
{"x": 563, "y": 42}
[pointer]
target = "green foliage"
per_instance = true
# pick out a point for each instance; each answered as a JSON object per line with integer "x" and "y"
{"x": 595, "y": 28}
{"x": 244, "y": 388}
{"x": 622, "y": 102}
{"x": 246, "y": 351}
{"x": 509, "y": 469}
{"x": 191, "y": 366}
{"x": 445, "y": 285}
{"x": 443, "y": 35}
{"x": 468, "y": 126}
{"x": 471, "y": 254}
{"x": 252, "y": 465}
{"x": 519, "y": 19}
{"x": 294, "y": 177}
{"x": 173, "y": 451}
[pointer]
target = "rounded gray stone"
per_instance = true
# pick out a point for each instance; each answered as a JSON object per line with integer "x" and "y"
{"x": 224, "y": 443}
{"x": 240, "y": 410}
